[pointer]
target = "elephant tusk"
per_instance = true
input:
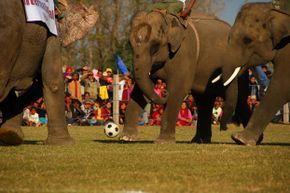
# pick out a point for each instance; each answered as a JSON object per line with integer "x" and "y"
{"x": 216, "y": 79}
{"x": 237, "y": 70}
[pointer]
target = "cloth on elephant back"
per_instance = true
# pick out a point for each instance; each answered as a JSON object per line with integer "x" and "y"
{"x": 43, "y": 11}
{"x": 77, "y": 22}
{"x": 172, "y": 6}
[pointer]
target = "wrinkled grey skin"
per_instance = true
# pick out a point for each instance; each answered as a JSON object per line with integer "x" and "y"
{"x": 261, "y": 34}
{"x": 167, "y": 50}
{"x": 29, "y": 53}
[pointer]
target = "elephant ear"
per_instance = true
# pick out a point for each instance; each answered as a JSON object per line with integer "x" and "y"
{"x": 175, "y": 34}
{"x": 77, "y": 22}
{"x": 280, "y": 28}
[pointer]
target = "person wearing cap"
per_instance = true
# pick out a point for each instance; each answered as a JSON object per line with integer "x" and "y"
{"x": 176, "y": 7}
{"x": 91, "y": 85}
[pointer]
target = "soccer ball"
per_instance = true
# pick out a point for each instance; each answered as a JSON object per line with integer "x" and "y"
{"x": 111, "y": 129}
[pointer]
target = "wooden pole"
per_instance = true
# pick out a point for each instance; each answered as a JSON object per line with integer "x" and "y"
{"x": 116, "y": 98}
{"x": 286, "y": 113}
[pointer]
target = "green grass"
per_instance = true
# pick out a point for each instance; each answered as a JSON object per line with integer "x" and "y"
{"x": 99, "y": 164}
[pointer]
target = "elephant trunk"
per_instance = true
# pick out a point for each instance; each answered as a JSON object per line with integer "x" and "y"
{"x": 142, "y": 68}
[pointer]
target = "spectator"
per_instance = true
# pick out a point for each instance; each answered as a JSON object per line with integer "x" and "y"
{"x": 74, "y": 87}
{"x": 253, "y": 102}
{"x": 254, "y": 87}
{"x": 68, "y": 74}
{"x": 98, "y": 114}
{"x": 217, "y": 113}
{"x": 184, "y": 116}
{"x": 122, "y": 111}
{"x": 107, "y": 112}
{"x": 77, "y": 113}
{"x": 91, "y": 85}
{"x": 33, "y": 118}
{"x": 156, "y": 115}
{"x": 88, "y": 109}
{"x": 191, "y": 105}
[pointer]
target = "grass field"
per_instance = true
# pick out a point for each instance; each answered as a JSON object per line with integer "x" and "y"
{"x": 99, "y": 164}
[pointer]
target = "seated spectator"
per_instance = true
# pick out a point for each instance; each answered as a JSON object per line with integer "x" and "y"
{"x": 184, "y": 116}
{"x": 33, "y": 118}
{"x": 191, "y": 105}
{"x": 122, "y": 111}
{"x": 143, "y": 118}
{"x": 77, "y": 113}
{"x": 88, "y": 109}
{"x": 156, "y": 115}
{"x": 98, "y": 114}
{"x": 107, "y": 112}
{"x": 252, "y": 102}
{"x": 41, "y": 110}
{"x": 217, "y": 113}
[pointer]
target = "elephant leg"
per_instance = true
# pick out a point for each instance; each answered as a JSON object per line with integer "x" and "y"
{"x": 135, "y": 106}
{"x": 170, "y": 114}
{"x": 53, "y": 91}
{"x": 275, "y": 97}
{"x": 203, "y": 128}
{"x": 10, "y": 130}
{"x": 230, "y": 104}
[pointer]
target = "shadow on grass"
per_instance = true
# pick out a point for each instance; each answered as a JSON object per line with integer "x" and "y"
{"x": 185, "y": 142}
{"x": 33, "y": 142}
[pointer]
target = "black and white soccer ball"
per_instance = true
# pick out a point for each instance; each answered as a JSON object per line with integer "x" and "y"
{"x": 111, "y": 129}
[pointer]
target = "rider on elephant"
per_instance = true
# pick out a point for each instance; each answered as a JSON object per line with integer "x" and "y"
{"x": 284, "y": 5}
{"x": 176, "y": 7}
{"x": 60, "y": 7}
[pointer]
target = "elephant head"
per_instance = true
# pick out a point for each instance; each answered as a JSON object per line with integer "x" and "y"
{"x": 77, "y": 21}
{"x": 258, "y": 32}
{"x": 155, "y": 38}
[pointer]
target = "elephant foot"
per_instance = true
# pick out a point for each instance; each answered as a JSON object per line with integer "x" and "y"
{"x": 59, "y": 141}
{"x": 200, "y": 140}
{"x": 165, "y": 139}
{"x": 11, "y": 136}
{"x": 246, "y": 138}
{"x": 128, "y": 138}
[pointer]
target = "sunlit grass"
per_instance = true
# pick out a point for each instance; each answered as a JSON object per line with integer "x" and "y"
{"x": 99, "y": 164}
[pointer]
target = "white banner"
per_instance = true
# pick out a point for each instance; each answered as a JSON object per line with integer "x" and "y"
{"x": 41, "y": 10}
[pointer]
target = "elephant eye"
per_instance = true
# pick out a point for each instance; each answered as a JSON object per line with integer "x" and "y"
{"x": 247, "y": 40}
{"x": 154, "y": 47}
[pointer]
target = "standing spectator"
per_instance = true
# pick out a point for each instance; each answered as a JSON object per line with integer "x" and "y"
{"x": 74, "y": 87}
{"x": 217, "y": 113}
{"x": 68, "y": 74}
{"x": 254, "y": 87}
{"x": 91, "y": 85}
{"x": 184, "y": 116}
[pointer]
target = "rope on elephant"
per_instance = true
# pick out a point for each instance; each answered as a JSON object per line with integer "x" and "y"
{"x": 191, "y": 24}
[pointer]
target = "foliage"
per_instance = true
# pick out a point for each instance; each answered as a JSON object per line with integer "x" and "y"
{"x": 99, "y": 164}
{"x": 110, "y": 36}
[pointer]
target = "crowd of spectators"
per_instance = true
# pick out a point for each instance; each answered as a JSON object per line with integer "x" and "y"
{"x": 89, "y": 95}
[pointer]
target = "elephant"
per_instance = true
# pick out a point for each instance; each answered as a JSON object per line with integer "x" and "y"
{"x": 261, "y": 33}
{"x": 31, "y": 65}
{"x": 186, "y": 54}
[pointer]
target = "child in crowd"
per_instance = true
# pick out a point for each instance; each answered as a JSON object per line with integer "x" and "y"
{"x": 184, "y": 116}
